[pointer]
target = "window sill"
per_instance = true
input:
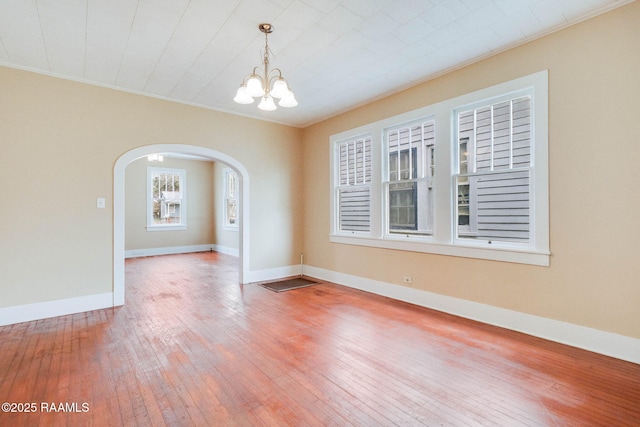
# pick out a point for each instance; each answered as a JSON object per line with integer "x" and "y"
{"x": 173, "y": 227}
{"x": 540, "y": 258}
{"x": 230, "y": 228}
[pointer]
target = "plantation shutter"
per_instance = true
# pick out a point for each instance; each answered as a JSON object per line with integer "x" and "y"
{"x": 354, "y": 185}
{"x": 494, "y": 183}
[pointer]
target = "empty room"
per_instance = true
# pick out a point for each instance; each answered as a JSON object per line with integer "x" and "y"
{"x": 305, "y": 212}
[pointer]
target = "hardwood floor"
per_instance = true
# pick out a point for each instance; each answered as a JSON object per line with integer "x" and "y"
{"x": 192, "y": 347}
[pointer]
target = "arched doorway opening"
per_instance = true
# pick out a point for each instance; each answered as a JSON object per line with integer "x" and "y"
{"x": 119, "y": 209}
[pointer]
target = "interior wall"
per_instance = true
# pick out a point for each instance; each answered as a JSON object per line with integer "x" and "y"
{"x": 201, "y": 218}
{"x": 593, "y": 142}
{"x": 59, "y": 141}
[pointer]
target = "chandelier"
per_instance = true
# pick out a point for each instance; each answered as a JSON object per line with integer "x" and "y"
{"x": 269, "y": 85}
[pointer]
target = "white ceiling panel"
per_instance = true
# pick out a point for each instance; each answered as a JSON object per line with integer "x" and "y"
{"x": 336, "y": 54}
{"x": 404, "y": 11}
{"x": 413, "y": 30}
{"x": 198, "y": 26}
{"x": 445, "y": 13}
{"x": 366, "y": 8}
{"x": 325, "y": 6}
{"x": 548, "y": 13}
{"x": 481, "y": 17}
{"x": 299, "y": 16}
{"x": 258, "y": 11}
{"x": 476, "y": 4}
{"x": 64, "y": 26}
{"x": 108, "y": 27}
{"x": 152, "y": 30}
{"x": 378, "y": 26}
{"x": 21, "y": 34}
{"x": 340, "y": 20}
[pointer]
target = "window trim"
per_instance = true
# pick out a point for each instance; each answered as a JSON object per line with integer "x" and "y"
{"x": 442, "y": 242}
{"x": 151, "y": 225}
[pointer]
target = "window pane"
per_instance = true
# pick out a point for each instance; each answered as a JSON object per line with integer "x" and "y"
{"x": 402, "y": 206}
{"x": 354, "y": 206}
{"x": 495, "y": 207}
{"x": 232, "y": 212}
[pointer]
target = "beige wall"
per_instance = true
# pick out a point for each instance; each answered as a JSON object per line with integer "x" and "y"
{"x": 59, "y": 141}
{"x": 201, "y": 221}
{"x": 594, "y": 144}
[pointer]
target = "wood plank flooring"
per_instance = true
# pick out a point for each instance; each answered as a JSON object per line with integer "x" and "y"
{"x": 191, "y": 347}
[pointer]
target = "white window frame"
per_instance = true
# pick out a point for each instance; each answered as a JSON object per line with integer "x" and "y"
{"x": 230, "y": 198}
{"x": 443, "y": 241}
{"x": 151, "y": 225}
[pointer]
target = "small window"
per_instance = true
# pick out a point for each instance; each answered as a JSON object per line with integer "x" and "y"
{"x": 166, "y": 205}
{"x": 230, "y": 198}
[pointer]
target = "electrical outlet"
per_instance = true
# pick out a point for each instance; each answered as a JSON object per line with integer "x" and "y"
{"x": 407, "y": 279}
{"x": 100, "y": 203}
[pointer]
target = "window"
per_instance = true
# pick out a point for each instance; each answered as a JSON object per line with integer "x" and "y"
{"x": 353, "y": 190}
{"x": 409, "y": 185}
{"x": 230, "y": 198}
{"x": 494, "y": 174}
{"x": 488, "y": 196}
{"x": 166, "y": 206}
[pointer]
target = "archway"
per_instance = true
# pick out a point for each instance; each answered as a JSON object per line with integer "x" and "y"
{"x": 119, "y": 212}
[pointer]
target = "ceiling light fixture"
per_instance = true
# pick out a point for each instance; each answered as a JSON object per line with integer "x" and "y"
{"x": 255, "y": 85}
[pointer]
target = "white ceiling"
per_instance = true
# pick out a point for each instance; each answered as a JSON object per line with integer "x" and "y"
{"x": 336, "y": 54}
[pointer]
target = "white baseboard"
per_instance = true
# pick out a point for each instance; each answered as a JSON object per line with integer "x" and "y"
{"x": 274, "y": 273}
{"x": 47, "y": 309}
{"x": 226, "y": 250}
{"x": 171, "y": 250}
{"x": 606, "y": 343}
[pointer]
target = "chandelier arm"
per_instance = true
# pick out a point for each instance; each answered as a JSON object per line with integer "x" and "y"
{"x": 276, "y": 75}
{"x": 256, "y": 73}
{"x": 247, "y": 77}
{"x": 275, "y": 70}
